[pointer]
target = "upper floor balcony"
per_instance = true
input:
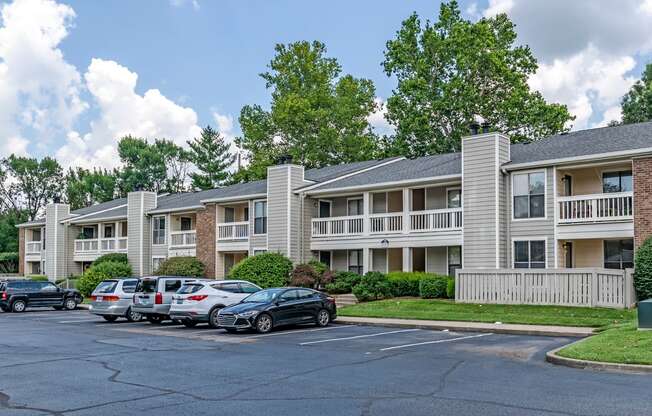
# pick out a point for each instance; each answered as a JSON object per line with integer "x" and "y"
{"x": 33, "y": 247}
{"x": 104, "y": 245}
{"x": 233, "y": 225}
{"x": 34, "y": 242}
{"x": 94, "y": 240}
{"x": 183, "y": 233}
{"x": 233, "y": 231}
{"x": 618, "y": 206}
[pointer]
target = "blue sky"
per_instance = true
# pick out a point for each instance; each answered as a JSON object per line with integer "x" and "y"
{"x": 75, "y": 74}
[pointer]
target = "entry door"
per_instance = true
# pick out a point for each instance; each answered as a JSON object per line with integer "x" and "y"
{"x": 569, "y": 255}
{"x": 325, "y": 209}
{"x": 325, "y": 257}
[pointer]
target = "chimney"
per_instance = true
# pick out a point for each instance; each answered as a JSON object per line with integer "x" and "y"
{"x": 285, "y": 159}
{"x": 56, "y": 199}
{"x": 485, "y": 127}
{"x": 474, "y": 127}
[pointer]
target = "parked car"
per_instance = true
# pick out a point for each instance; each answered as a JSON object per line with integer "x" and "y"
{"x": 271, "y": 308}
{"x": 114, "y": 298}
{"x": 200, "y": 301}
{"x": 153, "y": 296}
{"x": 18, "y": 295}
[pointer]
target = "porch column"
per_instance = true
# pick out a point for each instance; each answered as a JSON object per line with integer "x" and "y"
{"x": 365, "y": 212}
{"x": 406, "y": 216}
{"x": 407, "y": 259}
{"x": 365, "y": 260}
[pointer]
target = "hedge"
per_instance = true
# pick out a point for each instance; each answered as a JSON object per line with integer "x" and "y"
{"x": 95, "y": 274}
{"x": 265, "y": 270}
{"x": 304, "y": 275}
{"x": 433, "y": 287}
{"x": 343, "y": 282}
{"x": 38, "y": 278}
{"x": 181, "y": 266}
{"x": 643, "y": 270}
{"x": 119, "y": 257}
{"x": 372, "y": 286}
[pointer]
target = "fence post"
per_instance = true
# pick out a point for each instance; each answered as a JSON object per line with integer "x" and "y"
{"x": 593, "y": 286}
{"x": 628, "y": 290}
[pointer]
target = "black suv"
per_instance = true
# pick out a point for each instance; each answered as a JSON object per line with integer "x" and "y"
{"x": 17, "y": 295}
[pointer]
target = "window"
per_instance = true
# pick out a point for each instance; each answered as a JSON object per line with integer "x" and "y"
{"x": 48, "y": 287}
{"x": 305, "y": 294}
{"x": 186, "y": 223}
{"x": 172, "y": 285}
{"x": 355, "y": 261}
{"x": 618, "y": 254}
{"x": 232, "y": 287}
{"x": 354, "y": 207}
{"x": 88, "y": 233}
{"x": 248, "y": 288}
{"x": 454, "y": 259}
{"x": 108, "y": 231}
{"x": 325, "y": 257}
{"x": 260, "y": 217}
{"x": 129, "y": 286}
{"x": 107, "y": 286}
{"x": 568, "y": 185}
{"x": 36, "y": 235}
{"x": 617, "y": 181}
{"x": 246, "y": 214}
{"x": 325, "y": 209}
{"x": 158, "y": 230}
{"x": 257, "y": 252}
{"x": 529, "y": 195}
{"x": 156, "y": 263}
{"x": 454, "y": 197}
{"x": 289, "y": 295}
{"x": 530, "y": 254}
{"x": 229, "y": 214}
{"x": 123, "y": 229}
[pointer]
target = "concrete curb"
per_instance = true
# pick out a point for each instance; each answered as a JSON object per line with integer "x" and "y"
{"x": 553, "y": 358}
{"x": 459, "y": 326}
{"x": 83, "y": 306}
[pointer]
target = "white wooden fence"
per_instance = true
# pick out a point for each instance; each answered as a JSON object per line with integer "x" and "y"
{"x": 567, "y": 287}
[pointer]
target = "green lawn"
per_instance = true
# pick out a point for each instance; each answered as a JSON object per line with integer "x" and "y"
{"x": 619, "y": 344}
{"x": 514, "y": 314}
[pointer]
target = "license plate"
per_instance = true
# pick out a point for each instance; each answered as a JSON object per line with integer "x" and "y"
{"x": 179, "y": 301}
{"x": 99, "y": 298}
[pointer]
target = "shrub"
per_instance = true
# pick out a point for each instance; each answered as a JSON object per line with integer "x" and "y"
{"x": 266, "y": 270}
{"x": 432, "y": 287}
{"x": 319, "y": 267}
{"x": 373, "y": 286}
{"x": 304, "y": 275}
{"x": 450, "y": 289}
{"x": 181, "y": 266}
{"x": 38, "y": 278}
{"x": 406, "y": 283}
{"x": 643, "y": 270}
{"x": 95, "y": 274}
{"x": 342, "y": 282}
{"x": 9, "y": 262}
{"x": 119, "y": 257}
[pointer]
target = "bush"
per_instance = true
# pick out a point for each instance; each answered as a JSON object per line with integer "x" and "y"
{"x": 9, "y": 262}
{"x": 95, "y": 274}
{"x": 266, "y": 270}
{"x": 319, "y": 267}
{"x": 643, "y": 270}
{"x": 406, "y": 283}
{"x": 119, "y": 257}
{"x": 38, "y": 278}
{"x": 432, "y": 287}
{"x": 343, "y": 282}
{"x": 181, "y": 266}
{"x": 304, "y": 275}
{"x": 450, "y": 289}
{"x": 373, "y": 286}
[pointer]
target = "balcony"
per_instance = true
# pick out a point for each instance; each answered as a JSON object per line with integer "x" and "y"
{"x": 183, "y": 239}
{"x": 338, "y": 226}
{"x": 113, "y": 244}
{"x": 436, "y": 220}
{"x": 596, "y": 208}
{"x": 233, "y": 231}
{"x": 33, "y": 247}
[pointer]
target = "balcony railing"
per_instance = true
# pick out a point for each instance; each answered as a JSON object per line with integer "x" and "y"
{"x": 436, "y": 220}
{"x": 33, "y": 247}
{"x": 386, "y": 223}
{"x": 113, "y": 244}
{"x": 86, "y": 246}
{"x": 596, "y": 208}
{"x": 233, "y": 231}
{"x": 337, "y": 226}
{"x": 182, "y": 238}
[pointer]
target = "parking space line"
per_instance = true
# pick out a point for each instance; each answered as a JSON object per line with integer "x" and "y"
{"x": 439, "y": 341}
{"x": 288, "y": 332}
{"x": 360, "y": 336}
{"x": 82, "y": 320}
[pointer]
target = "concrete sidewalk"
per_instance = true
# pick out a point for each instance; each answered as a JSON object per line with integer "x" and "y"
{"x": 518, "y": 329}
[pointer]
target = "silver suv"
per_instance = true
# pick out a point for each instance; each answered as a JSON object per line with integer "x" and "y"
{"x": 154, "y": 294}
{"x": 113, "y": 299}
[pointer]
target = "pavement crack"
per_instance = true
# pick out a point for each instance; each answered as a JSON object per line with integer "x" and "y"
{"x": 5, "y": 404}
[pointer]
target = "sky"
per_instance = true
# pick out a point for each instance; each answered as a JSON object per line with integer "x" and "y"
{"x": 77, "y": 75}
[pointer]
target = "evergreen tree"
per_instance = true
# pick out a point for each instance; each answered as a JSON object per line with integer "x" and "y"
{"x": 210, "y": 154}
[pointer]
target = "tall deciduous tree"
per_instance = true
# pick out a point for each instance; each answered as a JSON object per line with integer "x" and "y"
{"x": 8, "y": 231}
{"x": 177, "y": 164}
{"x": 452, "y": 70}
{"x": 637, "y": 104}
{"x": 85, "y": 187}
{"x": 143, "y": 166}
{"x": 317, "y": 116}
{"x": 210, "y": 154}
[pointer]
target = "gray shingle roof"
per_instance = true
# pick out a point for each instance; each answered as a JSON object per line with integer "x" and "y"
{"x": 193, "y": 199}
{"x": 100, "y": 207}
{"x": 584, "y": 143}
{"x": 120, "y": 211}
{"x": 330, "y": 172}
{"x": 38, "y": 221}
{"x": 408, "y": 169}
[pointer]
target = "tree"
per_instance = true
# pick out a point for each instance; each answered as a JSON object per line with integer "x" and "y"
{"x": 84, "y": 187}
{"x": 210, "y": 154}
{"x": 637, "y": 103}
{"x": 177, "y": 162}
{"x": 30, "y": 184}
{"x": 317, "y": 116}
{"x": 452, "y": 70}
{"x": 8, "y": 231}
{"x": 143, "y": 166}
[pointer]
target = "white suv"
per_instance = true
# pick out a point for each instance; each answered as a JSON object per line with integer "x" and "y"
{"x": 200, "y": 301}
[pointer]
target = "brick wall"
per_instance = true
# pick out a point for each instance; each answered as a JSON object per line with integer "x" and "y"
{"x": 206, "y": 239}
{"x": 21, "y": 251}
{"x": 642, "y": 172}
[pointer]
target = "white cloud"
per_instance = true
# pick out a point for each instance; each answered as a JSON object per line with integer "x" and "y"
{"x": 497, "y": 7}
{"x": 182, "y": 3}
{"x": 39, "y": 90}
{"x": 377, "y": 119}
{"x": 646, "y": 6}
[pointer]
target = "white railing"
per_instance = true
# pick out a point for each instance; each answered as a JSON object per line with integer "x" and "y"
{"x": 86, "y": 246}
{"x": 33, "y": 247}
{"x": 386, "y": 223}
{"x": 338, "y": 226}
{"x": 182, "y": 238}
{"x": 113, "y": 244}
{"x": 233, "y": 230}
{"x": 437, "y": 219}
{"x": 568, "y": 287}
{"x": 596, "y": 208}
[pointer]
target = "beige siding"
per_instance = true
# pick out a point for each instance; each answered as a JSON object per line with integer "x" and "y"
{"x": 339, "y": 260}
{"x": 139, "y": 234}
{"x": 395, "y": 259}
{"x": 379, "y": 260}
{"x": 436, "y": 261}
{"x": 436, "y": 197}
{"x": 587, "y": 181}
{"x": 588, "y": 253}
{"x": 57, "y": 251}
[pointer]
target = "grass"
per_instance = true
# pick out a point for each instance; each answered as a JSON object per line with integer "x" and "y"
{"x": 445, "y": 310}
{"x": 619, "y": 344}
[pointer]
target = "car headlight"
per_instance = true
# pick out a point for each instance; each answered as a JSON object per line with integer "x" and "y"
{"x": 247, "y": 314}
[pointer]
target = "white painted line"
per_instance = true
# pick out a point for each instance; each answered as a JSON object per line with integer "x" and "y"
{"x": 290, "y": 332}
{"x": 439, "y": 341}
{"x": 73, "y": 322}
{"x": 360, "y": 336}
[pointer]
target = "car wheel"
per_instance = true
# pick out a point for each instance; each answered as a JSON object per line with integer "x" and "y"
{"x": 110, "y": 318}
{"x": 70, "y": 304}
{"x": 154, "y": 319}
{"x": 231, "y": 330}
{"x": 263, "y": 323}
{"x": 18, "y": 306}
{"x": 323, "y": 318}
{"x": 212, "y": 318}
{"x": 189, "y": 324}
{"x": 133, "y": 316}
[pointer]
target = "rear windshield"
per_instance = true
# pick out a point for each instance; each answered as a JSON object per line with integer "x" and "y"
{"x": 2, "y": 285}
{"x": 146, "y": 286}
{"x": 129, "y": 286}
{"x": 107, "y": 286}
{"x": 189, "y": 288}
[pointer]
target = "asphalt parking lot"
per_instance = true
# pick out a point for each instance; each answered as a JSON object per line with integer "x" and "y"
{"x": 73, "y": 363}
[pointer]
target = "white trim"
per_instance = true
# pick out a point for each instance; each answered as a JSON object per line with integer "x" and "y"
{"x": 556, "y": 215}
{"x": 595, "y": 156}
{"x": 253, "y": 205}
{"x": 354, "y": 198}
{"x": 448, "y": 265}
{"x": 530, "y": 239}
{"x": 463, "y": 193}
{"x": 141, "y": 234}
{"x": 378, "y": 185}
{"x": 497, "y": 200}
{"x": 289, "y": 212}
{"x": 349, "y": 174}
{"x": 152, "y": 262}
{"x": 79, "y": 217}
{"x": 242, "y": 198}
{"x": 167, "y": 226}
{"x": 545, "y": 194}
{"x": 330, "y": 207}
{"x": 448, "y": 189}
{"x": 189, "y": 209}
{"x": 99, "y": 220}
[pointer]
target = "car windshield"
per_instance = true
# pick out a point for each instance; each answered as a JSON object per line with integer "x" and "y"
{"x": 146, "y": 286}
{"x": 264, "y": 296}
{"x": 107, "y": 286}
{"x": 189, "y": 288}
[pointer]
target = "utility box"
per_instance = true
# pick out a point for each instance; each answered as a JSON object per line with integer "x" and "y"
{"x": 645, "y": 314}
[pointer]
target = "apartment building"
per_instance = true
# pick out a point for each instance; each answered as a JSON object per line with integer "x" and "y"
{"x": 573, "y": 200}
